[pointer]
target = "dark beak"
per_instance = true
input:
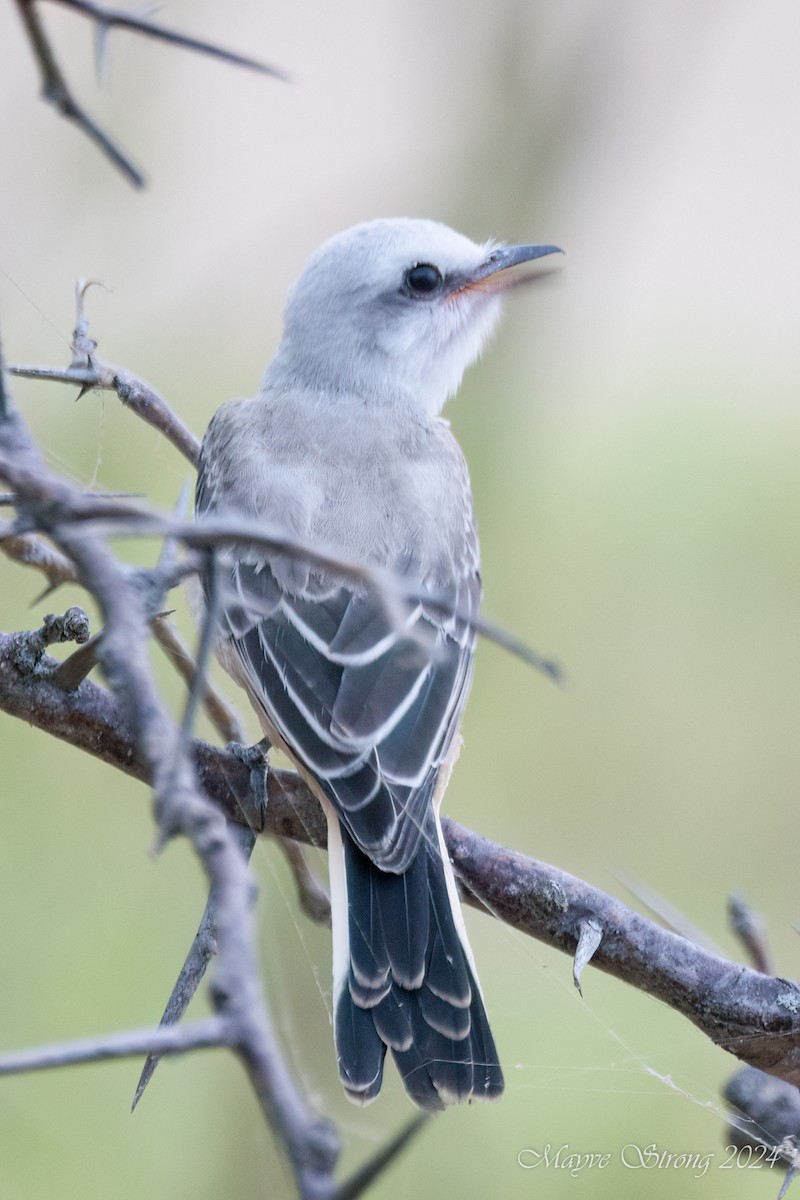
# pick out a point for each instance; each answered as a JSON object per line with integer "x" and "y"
{"x": 500, "y": 260}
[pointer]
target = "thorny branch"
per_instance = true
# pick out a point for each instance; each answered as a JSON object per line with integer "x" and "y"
{"x": 180, "y": 808}
{"x": 118, "y": 518}
{"x": 90, "y": 372}
{"x": 56, "y": 90}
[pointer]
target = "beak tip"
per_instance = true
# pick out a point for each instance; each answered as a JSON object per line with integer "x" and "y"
{"x": 543, "y": 251}
{"x": 512, "y": 256}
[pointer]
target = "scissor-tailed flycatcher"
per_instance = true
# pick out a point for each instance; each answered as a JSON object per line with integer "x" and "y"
{"x": 344, "y": 448}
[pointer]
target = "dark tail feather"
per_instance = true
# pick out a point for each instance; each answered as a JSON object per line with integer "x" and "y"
{"x": 410, "y": 986}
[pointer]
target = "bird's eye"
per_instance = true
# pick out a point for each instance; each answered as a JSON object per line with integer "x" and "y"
{"x": 422, "y": 279}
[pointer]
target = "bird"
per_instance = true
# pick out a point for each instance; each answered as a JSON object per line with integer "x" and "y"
{"x": 360, "y": 681}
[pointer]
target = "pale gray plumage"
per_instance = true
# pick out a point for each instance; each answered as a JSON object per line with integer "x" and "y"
{"x": 344, "y": 448}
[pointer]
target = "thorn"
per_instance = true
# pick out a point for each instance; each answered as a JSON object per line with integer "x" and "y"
{"x": 366, "y": 1175}
{"x": 101, "y": 32}
{"x": 83, "y": 347}
{"x": 201, "y": 951}
{"x": 182, "y": 503}
{"x": 590, "y": 935}
{"x": 749, "y": 929}
{"x": 70, "y": 674}
{"x": 514, "y": 645}
{"x": 48, "y": 591}
{"x": 790, "y": 1174}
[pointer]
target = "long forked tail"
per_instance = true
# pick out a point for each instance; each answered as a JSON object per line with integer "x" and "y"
{"x": 404, "y": 978}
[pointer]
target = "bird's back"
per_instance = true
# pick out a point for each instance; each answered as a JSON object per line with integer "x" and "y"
{"x": 367, "y": 484}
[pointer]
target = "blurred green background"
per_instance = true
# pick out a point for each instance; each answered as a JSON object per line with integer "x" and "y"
{"x": 633, "y": 434}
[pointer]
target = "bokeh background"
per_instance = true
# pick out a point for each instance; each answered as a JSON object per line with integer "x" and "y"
{"x": 634, "y": 438}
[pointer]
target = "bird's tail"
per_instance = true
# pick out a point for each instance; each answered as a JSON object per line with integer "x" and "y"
{"x": 404, "y": 978}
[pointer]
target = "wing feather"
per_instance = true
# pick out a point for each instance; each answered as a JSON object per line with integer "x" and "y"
{"x": 366, "y": 694}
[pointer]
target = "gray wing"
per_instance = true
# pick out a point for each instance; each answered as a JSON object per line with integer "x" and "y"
{"x": 367, "y": 694}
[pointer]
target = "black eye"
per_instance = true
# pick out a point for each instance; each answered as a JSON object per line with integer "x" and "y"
{"x": 422, "y": 279}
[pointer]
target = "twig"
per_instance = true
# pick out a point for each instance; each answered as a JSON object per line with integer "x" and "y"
{"x": 132, "y": 391}
{"x": 118, "y": 519}
{"x": 214, "y": 1031}
{"x": 9, "y": 497}
{"x": 117, "y": 18}
{"x": 88, "y": 371}
{"x": 204, "y": 945}
{"x": 31, "y": 550}
{"x": 92, "y": 719}
{"x": 221, "y": 714}
{"x": 313, "y": 897}
{"x": 56, "y": 90}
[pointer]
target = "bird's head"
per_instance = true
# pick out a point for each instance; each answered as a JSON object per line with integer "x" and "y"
{"x": 394, "y": 309}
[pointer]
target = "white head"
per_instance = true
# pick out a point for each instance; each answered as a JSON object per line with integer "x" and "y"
{"x": 393, "y": 310}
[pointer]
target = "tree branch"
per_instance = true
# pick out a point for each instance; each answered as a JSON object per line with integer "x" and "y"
{"x": 118, "y": 518}
{"x": 755, "y": 1017}
{"x": 214, "y": 1031}
{"x": 56, "y": 90}
{"x": 134, "y": 393}
{"x": 118, "y": 18}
